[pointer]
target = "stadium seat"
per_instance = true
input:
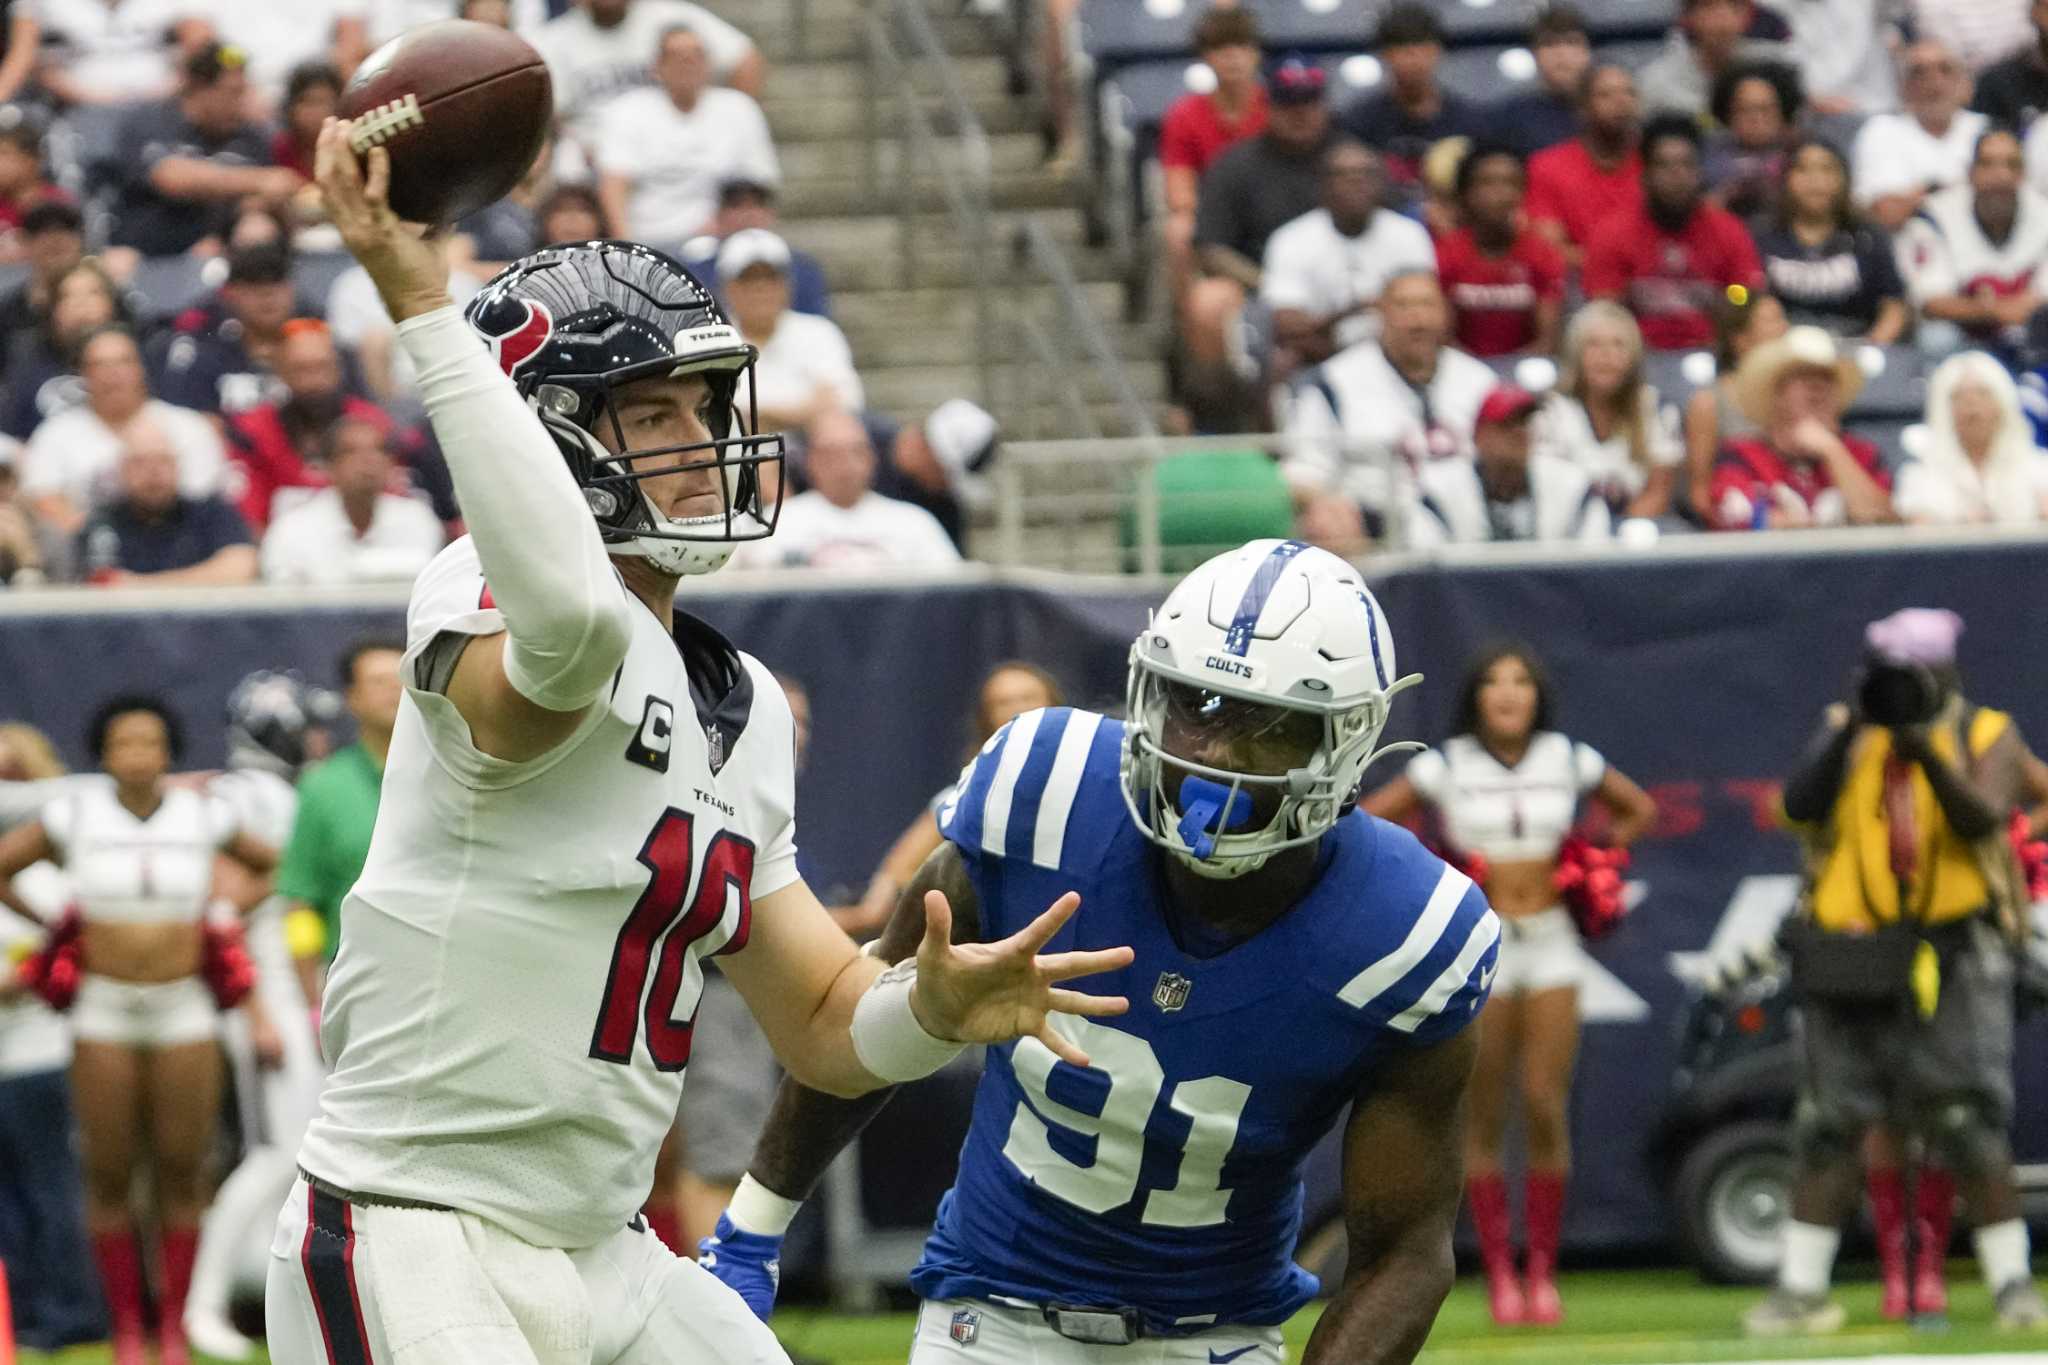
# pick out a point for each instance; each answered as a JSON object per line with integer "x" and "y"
{"x": 166, "y": 286}
{"x": 1895, "y": 383}
{"x": 1211, "y": 500}
{"x": 314, "y": 274}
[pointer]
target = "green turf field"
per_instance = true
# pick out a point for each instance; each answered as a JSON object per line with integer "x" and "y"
{"x": 1612, "y": 1318}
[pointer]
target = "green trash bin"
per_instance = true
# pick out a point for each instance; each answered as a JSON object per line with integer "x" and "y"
{"x": 1211, "y": 501}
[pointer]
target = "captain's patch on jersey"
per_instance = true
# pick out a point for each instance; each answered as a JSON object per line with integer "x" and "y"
{"x": 656, "y": 735}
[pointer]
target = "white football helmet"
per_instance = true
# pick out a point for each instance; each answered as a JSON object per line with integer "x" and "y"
{"x": 1276, "y": 650}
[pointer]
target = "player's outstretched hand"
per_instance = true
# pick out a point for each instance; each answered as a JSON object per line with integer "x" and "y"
{"x": 748, "y": 1263}
{"x": 408, "y": 265}
{"x": 993, "y": 992}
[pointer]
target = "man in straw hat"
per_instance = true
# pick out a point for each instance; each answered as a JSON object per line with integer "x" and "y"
{"x": 1800, "y": 469}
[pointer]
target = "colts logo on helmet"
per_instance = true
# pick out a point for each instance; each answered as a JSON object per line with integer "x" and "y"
{"x": 516, "y": 330}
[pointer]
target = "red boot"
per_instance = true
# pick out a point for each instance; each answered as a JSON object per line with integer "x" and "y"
{"x": 1487, "y": 1197}
{"x": 180, "y": 1249}
{"x": 1934, "y": 1206}
{"x": 1543, "y": 1210}
{"x": 1886, "y": 1186}
{"x": 120, "y": 1264}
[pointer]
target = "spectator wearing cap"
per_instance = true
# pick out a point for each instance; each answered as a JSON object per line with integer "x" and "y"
{"x": 1509, "y": 491}
{"x": 70, "y": 469}
{"x": 1414, "y": 111}
{"x": 1361, "y": 423}
{"x": 311, "y": 93}
{"x": 2013, "y": 92}
{"x": 1576, "y": 185}
{"x": 1504, "y": 280}
{"x": 52, "y": 237}
{"x": 662, "y": 152}
{"x": 1757, "y": 106}
{"x": 151, "y": 533}
{"x": 97, "y": 53}
{"x": 940, "y": 464}
{"x": 1710, "y": 37}
{"x": 805, "y": 365}
{"x": 42, "y": 369}
{"x": 1667, "y": 260}
{"x": 1901, "y": 158}
{"x": 1977, "y": 462}
{"x": 356, "y": 530}
{"x": 1323, "y": 272}
{"x": 280, "y": 38}
{"x": 1548, "y": 115}
{"x": 598, "y": 50}
{"x": 1800, "y": 469}
{"x": 1201, "y": 126}
{"x": 840, "y": 522}
{"x": 219, "y": 356}
{"x": 186, "y": 162}
{"x": 743, "y": 204}
{"x": 1974, "y": 256}
{"x": 1251, "y": 191}
{"x": 280, "y": 448}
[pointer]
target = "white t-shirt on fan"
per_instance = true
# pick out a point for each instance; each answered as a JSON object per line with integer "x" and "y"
{"x": 805, "y": 352}
{"x": 591, "y": 65}
{"x": 316, "y": 544}
{"x": 1312, "y": 266}
{"x": 78, "y": 456}
{"x": 1893, "y": 154}
{"x": 677, "y": 160}
{"x": 875, "y": 533}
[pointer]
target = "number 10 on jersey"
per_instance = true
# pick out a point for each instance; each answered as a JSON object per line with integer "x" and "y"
{"x": 667, "y": 855}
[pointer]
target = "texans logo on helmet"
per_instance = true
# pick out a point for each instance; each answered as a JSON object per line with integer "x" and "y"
{"x": 516, "y": 338}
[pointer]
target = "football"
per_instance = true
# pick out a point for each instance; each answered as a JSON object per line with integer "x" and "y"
{"x": 462, "y": 108}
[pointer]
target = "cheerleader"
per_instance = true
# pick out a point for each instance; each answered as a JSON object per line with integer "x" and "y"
{"x": 146, "y": 1060}
{"x": 1506, "y": 788}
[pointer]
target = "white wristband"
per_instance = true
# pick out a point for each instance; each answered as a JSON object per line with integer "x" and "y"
{"x": 887, "y": 1038}
{"x": 757, "y": 1209}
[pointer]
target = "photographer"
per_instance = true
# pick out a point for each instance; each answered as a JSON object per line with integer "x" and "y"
{"x": 1903, "y": 958}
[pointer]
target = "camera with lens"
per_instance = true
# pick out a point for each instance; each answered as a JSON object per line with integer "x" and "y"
{"x": 1895, "y": 694}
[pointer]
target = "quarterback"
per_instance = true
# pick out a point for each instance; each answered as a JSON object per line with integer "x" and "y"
{"x": 1294, "y": 956}
{"x": 587, "y": 792}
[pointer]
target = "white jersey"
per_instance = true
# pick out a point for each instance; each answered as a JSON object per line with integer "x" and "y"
{"x": 1518, "y": 814}
{"x": 1943, "y": 252}
{"x": 508, "y": 1019}
{"x": 129, "y": 871}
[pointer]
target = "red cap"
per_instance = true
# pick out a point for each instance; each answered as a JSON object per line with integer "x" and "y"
{"x": 1507, "y": 403}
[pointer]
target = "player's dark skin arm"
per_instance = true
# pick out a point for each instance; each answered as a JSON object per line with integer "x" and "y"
{"x": 808, "y": 1128}
{"x": 1403, "y": 1171}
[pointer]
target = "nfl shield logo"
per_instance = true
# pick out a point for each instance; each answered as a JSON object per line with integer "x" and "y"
{"x": 966, "y": 1326}
{"x": 1171, "y": 992}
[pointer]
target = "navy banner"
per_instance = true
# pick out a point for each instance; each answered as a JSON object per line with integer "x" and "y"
{"x": 1701, "y": 676}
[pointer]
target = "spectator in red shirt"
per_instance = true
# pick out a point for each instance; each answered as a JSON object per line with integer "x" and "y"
{"x": 310, "y": 95}
{"x": 1668, "y": 260}
{"x": 1799, "y": 469}
{"x": 1504, "y": 281}
{"x": 1199, "y": 126}
{"x": 1576, "y": 185}
{"x": 282, "y": 447}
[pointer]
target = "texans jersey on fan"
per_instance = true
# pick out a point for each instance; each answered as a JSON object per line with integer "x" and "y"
{"x": 1166, "y": 1176}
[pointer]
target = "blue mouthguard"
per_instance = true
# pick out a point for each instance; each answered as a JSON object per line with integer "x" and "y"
{"x": 1202, "y": 801}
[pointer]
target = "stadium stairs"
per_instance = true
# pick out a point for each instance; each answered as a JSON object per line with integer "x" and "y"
{"x": 914, "y": 347}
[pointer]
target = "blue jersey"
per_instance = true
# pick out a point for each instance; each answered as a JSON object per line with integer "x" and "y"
{"x": 1166, "y": 1176}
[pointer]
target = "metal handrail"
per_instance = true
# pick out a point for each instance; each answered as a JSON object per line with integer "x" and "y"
{"x": 966, "y": 187}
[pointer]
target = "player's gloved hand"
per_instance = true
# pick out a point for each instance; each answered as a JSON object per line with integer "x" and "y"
{"x": 750, "y": 1263}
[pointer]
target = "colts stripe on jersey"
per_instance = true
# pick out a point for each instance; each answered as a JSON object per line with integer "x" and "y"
{"x": 1002, "y": 789}
{"x": 1377, "y": 979}
{"x": 1245, "y": 625}
{"x": 1056, "y": 802}
{"x": 329, "y": 1255}
{"x": 1452, "y": 979}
